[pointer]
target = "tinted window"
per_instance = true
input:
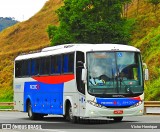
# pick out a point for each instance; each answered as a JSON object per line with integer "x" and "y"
{"x": 26, "y": 68}
{"x": 56, "y": 64}
{"x": 71, "y": 63}
{"x": 68, "y": 63}
{"x": 45, "y": 65}
{"x": 35, "y": 64}
{"x": 18, "y": 68}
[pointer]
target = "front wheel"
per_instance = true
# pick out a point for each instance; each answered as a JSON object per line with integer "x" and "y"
{"x": 70, "y": 116}
{"x": 117, "y": 119}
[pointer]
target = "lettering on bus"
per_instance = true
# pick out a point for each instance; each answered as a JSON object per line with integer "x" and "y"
{"x": 109, "y": 103}
{"x": 36, "y": 86}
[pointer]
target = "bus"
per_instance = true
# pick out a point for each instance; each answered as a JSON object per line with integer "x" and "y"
{"x": 80, "y": 81}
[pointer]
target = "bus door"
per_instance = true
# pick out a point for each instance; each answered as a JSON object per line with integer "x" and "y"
{"x": 80, "y": 85}
{"x": 81, "y": 92}
{"x": 82, "y": 104}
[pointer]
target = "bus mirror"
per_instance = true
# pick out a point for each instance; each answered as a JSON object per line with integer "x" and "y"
{"x": 146, "y": 74}
{"x": 84, "y": 75}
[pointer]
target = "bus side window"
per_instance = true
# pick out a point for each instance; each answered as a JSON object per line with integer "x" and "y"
{"x": 68, "y": 63}
{"x": 79, "y": 67}
{"x": 71, "y": 63}
{"x": 35, "y": 64}
{"x": 45, "y": 65}
{"x": 26, "y": 68}
{"x": 56, "y": 64}
{"x": 18, "y": 68}
{"x": 65, "y": 63}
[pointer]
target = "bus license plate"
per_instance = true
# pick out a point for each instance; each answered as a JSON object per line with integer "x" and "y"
{"x": 118, "y": 111}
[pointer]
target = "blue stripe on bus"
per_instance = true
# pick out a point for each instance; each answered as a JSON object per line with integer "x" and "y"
{"x": 45, "y": 98}
{"x": 117, "y": 102}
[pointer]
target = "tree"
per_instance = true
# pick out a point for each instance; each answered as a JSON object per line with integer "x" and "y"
{"x": 90, "y": 21}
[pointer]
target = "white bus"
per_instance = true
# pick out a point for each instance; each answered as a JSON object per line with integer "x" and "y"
{"x": 80, "y": 81}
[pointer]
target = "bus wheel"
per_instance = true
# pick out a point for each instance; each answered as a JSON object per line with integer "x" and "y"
{"x": 31, "y": 115}
{"x": 117, "y": 119}
{"x": 70, "y": 117}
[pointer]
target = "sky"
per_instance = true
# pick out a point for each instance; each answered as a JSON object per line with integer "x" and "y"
{"x": 21, "y": 10}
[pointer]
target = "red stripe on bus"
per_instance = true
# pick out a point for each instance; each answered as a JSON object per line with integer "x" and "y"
{"x": 136, "y": 98}
{"x": 54, "y": 79}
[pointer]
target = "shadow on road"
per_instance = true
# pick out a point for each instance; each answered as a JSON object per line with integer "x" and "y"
{"x": 60, "y": 123}
{"x": 82, "y": 121}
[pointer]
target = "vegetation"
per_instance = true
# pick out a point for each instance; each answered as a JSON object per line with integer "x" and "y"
{"x": 146, "y": 37}
{"x": 6, "y": 22}
{"x": 88, "y": 21}
{"x": 31, "y": 35}
{"x": 6, "y": 107}
{"x": 24, "y": 37}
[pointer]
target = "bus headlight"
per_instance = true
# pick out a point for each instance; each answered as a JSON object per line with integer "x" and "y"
{"x": 137, "y": 104}
{"x": 95, "y": 104}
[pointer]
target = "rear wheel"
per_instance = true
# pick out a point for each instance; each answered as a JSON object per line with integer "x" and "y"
{"x": 117, "y": 119}
{"x": 31, "y": 114}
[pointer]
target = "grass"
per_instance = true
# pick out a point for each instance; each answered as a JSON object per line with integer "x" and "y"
{"x": 6, "y": 107}
{"x": 6, "y": 96}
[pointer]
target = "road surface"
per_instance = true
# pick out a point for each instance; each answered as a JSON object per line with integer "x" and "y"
{"x": 19, "y": 121}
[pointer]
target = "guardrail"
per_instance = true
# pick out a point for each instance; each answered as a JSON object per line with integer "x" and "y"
{"x": 6, "y": 103}
{"x": 151, "y": 103}
{"x": 146, "y": 103}
{"x": 150, "y": 107}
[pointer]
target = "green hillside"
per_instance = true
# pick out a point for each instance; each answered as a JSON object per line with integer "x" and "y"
{"x": 31, "y": 35}
{"x": 146, "y": 37}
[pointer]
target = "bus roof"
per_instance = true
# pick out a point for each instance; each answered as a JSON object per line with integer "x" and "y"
{"x": 66, "y": 48}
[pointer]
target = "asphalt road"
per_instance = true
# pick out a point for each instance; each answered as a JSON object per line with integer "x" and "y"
{"x": 19, "y": 121}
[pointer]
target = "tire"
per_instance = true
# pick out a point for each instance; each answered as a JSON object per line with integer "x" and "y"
{"x": 70, "y": 116}
{"x": 117, "y": 119}
{"x": 31, "y": 114}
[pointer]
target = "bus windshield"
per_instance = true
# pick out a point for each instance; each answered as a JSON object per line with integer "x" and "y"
{"x": 114, "y": 73}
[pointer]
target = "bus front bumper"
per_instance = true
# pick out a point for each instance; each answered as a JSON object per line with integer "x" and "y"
{"x": 93, "y": 111}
